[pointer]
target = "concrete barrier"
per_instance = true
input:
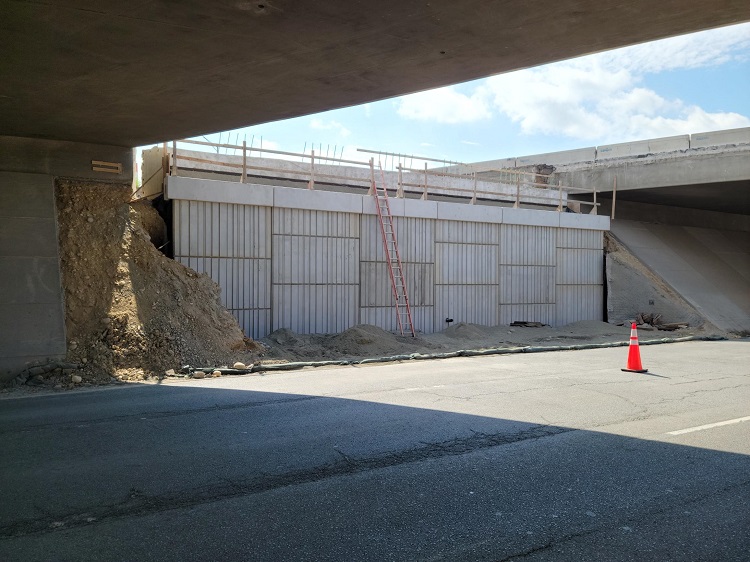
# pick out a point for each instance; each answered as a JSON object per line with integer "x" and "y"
{"x": 719, "y": 138}
{"x": 643, "y": 147}
{"x": 487, "y": 165}
{"x": 669, "y": 144}
{"x": 559, "y": 158}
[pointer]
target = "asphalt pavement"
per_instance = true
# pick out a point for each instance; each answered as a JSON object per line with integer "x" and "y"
{"x": 547, "y": 456}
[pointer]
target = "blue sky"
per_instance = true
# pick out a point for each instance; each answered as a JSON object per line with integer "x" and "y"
{"x": 687, "y": 84}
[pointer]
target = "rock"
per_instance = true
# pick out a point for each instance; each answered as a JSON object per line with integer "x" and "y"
{"x": 199, "y": 375}
{"x": 170, "y": 372}
{"x": 239, "y": 365}
{"x": 90, "y": 219}
{"x": 35, "y": 371}
{"x": 58, "y": 386}
{"x": 76, "y": 379}
{"x": 216, "y": 373}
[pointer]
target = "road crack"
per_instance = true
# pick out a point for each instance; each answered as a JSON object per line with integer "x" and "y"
{"x": 139, "y": 504}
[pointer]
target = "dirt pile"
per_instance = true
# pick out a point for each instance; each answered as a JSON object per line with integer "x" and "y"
{"x": 131, "y": 312}
{"x": 358, "y": 342}
{"x": 365, "y": 341}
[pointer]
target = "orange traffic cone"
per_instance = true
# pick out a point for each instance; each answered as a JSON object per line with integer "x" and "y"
{"x": 634, "y": 353}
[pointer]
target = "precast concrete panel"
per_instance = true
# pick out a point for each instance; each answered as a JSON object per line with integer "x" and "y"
{"x": 415, "y": 236}
{"x": 466, "y": 264}
{"x": 315, "y": 309}
{"x": 376, "y": 289}
{"x": 527, "y": 245}
{"x": 558, "y": 158}
{"x": 315, "y": 260}
{"x": 204, "y": 229}
{"x": 578, "y": 238}
{"x": 464, "y": 232}
{"x": 544, "y": 313}
{"x": 579, "y": 267}
{"x": 643, "y": 147}
{"x": 522, "y": 284}
{"x": 230, "y": 243}
{"x": 578, "y": 302}
{"x": 385, "y": 317}
{"x": 315, "y": 272}
{"x": 474, "y": 304}
{"x": 720, "y": 138}
{"x": 466, "y": 278}
{"x": 669, "y": 144}
{"x": 301, "y": 222}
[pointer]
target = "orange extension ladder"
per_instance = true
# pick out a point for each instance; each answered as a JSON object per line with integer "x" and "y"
{"x": 392, "y": 257}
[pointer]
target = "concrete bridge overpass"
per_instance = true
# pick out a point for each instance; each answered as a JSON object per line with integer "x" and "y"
{"x": 82, "y": 83}
{"x": 681, "y": 205}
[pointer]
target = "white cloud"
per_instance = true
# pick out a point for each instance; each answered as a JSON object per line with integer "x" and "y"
{"x": 445, "y": 105}
{"x": 599, "y": 97}
{"x": 705, "y": 48}
{"x": 596, "y": 98}
{"x": 471, "y": 143}
{"x": 322, "y": 125}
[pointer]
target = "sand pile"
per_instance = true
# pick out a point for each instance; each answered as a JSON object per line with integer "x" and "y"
{"x": 131, "y": 312}
{"x": 358, "y": 342}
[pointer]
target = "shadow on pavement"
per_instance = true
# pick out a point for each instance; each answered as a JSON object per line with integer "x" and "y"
{"x": 176, "y": 473}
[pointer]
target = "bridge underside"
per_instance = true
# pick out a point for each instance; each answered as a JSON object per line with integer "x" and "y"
{"x": 151, "y": 70}
{"x": 722, "y": 197}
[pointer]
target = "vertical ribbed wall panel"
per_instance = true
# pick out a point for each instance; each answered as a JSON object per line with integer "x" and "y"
{"x": 300, "y": 222}
{"x": 315, "y": 309}
{"x": 323, "y": 272}
{"x": 579, "y": 267}
{"x": 527, "y": 274}
{"x": 580, "y": 276}
{"x": 578, "y": 238}
{"x": 527, "y": 245}
{"x": 533, "y": 284}
{"x": 416, "y": 242}
{"x": 466, "y": 275}
{"x": 465, "y": 264}
{"x": 475, "y": 304}
{"x": 315, "y": 270}
{"x": 466, "y": 232}
{"x": 384, "y": 317}
{"x": 578, "y": 302}
{"x": 230, "y": 243}
{"x": 544, "y": 313}
{"x": 376, "y": 289}
{"x": 416, "y": 239}
{"x": 315, "y": 260}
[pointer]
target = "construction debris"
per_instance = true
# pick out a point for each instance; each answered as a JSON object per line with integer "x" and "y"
{"x": 655, "y": 320}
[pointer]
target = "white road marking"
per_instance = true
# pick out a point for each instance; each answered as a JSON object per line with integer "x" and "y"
{"x": 709, "y": 426}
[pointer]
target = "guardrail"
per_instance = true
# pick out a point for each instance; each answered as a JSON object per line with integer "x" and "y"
{"x": 424, "y": 181}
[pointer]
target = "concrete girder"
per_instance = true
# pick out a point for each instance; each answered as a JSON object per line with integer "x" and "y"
{"x": 129, "y": 74}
